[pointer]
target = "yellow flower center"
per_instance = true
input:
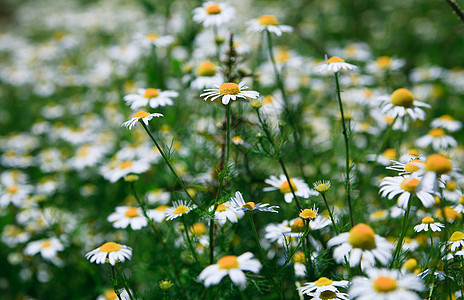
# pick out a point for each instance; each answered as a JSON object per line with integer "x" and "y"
{"x": 335, "y": 59}
{"x": 384, "y": 62}
{"x": 447, "y": 118}
{"x": 151, "y": 93}
{"x": 206, "y": 68}
{"x": 323, "y": 281}
{"x": 213, "y": 9}
{"x": 410, "y": 264}
{"x": 132, "y": 212}
{"x": 388, "y": 119}
{"x": 413, "y": 165}
{"x": 110, "y": 295}
{"x": 249, "y": 205}
{"x": 267, "y": 20}
{"x": 12, "y": 189}
{"x": 456, "y": 236}
{"x": 413, "y": 152}
{"x": 362, "y": 236}
{"x": 152, "y": 36}
{"x": 299, "y": 257}
{"x": 298, "y": 226}
{"x": 283, "y": 56}
{"x": 125, "y": 164}
{"x": 228, "y": 262}
{"x": 110, "y": 247}
{"x": 268, "y": 99}
{"x": 285, "y": 187}
{"x": 198, "y": 229}
{"x": 322, "y": 187}
{"x": 380, "y": 214}
{"x": 410, "y": 184}
{"x": 402, "y": 97}
{"x": 237, "y": 140}
{"x": 436, "y": 132}
{"x": 438, "y": 163}
{"x": 222, "y": 207}
{"x": 45, "y": 244}
{"x": 83, "y": 151}
{"x": 390, "y": 153}
{"x": 140, "y": 115}
{"x": 308, "y": 214}
{"x": 385, "y": 284}
{"x": 162, "y": 207}
{"x": 461, "y": 200}
{"x": 428, "y": 220}
{"x": 450, "y": 214}
{"x": 451, "y": 185}
{"x": 229, "y": 88}
{"x": 328, "y": 295}
{"x": 181, "y": 209}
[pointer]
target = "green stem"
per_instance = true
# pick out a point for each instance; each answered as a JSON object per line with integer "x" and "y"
{"x": 403, "y": 232}
{"x": 169, "y": 165}
{"x": 261, "y": 251}
{"x": 287, "y": 260}
{"x": 347, "y": 151}
{"x": 330, "y": 213}
{"x": 115, "y": 283}
{"x": 120, "y": 274}
{"x": 189, "y": 241}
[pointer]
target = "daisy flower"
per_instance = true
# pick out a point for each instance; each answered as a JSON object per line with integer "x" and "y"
{"x": 14, "y": 193}
{"x": 128, "y": 215}
{"x": 437, "y": 138}
{"x": 402, "y": 104}
{"x": 334, "y": 65}
{"x": 117, "y": 169}
{"x": 297, "y": 226}
{"x": 229, "y": 91}
{"x": 154, "y": 39}
{"x": 158, "y": 214}
{"x": 141, "y": 115}
{"x": 428, "y": 223}
{"x": 300, "y": 188}
{"x": 361, "y": 246}
{"x": 230, "y": 265}
{"x": 152, "y": 97}
{"x": 456, "y": 240}
{"x": 435, "y": 166}
{"x": 405, "y": 186}
{"x": 213, "y": 14}
{"x": 446, "y": 122}
{"x": 180, "y": 208}
{"x": 113, "y": 252}
{"x": 111, "y": 295}
{"x": 384, "y": 284}
{"x": 451, "y": 190}
{"x": 48, "y": 248}
{"x": 324, "y": 288}
{"x": 269, "y": 23}
{"x": 412, "y": 166}
{"x": 384, "y": 63}
{"x": 385, "y": 158}
{"x": 226, "y": 211}
{"x": 321, "y": 186}
{"x": 206, "y": 76}
{"x": 239, "y": 204}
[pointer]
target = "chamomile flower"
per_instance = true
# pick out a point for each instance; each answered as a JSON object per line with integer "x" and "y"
{"x": 384, "y": 284}
{"x": 180, "y": 208}
{"x": 154, "y": 39}
{"x": 230, "y": 265}
{"x": 229, "y": 91}
{"x": 297, "y": 226}
{"x": 226, "y": 211}
{"x": 141, "y": 115}
{"x": 361, "y": 246}
{"x": 117, "y": 169}
{"x": 412, "y": 166}
{"x": 48, "y": 248}
{"x": 206, "y": 75}
{"x": 213, "y": 14}
{"x": 111, "y": 251}
{"x": 158, "y": 214}
{"x": 325, "y": 288}
{"x": 111, "y": 295}
{"x": 437, "y": 138}
{"x": 446, "y": 122}
{"x": 321, "y": 186}
{"x": 300, "y": 188}
{"x": 456, "y": 240}
{"x": 128, "y": 215}
{"x": 384, "y": 63}
{"x": 14, "y": 193}
{"x": 450, "y": 188}
{"x": 428, "y": 223}
{"x": 239, "y": 204}
{"x": 402, "y": 104}
{"x": 269, "y": 23}
{"x": 334, "y": 65}
{"x": 405, "y": 186}
{"x": 435, "y": 166}
{"x": 152, "y": 97}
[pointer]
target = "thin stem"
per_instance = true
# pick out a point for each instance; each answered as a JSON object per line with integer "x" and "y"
{"x": 120, "y": 274}
{"x": 456, "y": 9}
{"x": 169, "y": 165}
{"x": 287, "y": 260}
{"x": 115, "y": 283}
{"x": 189, "y": 241}
{"x": 330, "y": 213}
{"x": 261, "y": 251}
{"x": 403, "y": 232}
{"x": 347, "y": 151}
{"x": 446, "y": 287}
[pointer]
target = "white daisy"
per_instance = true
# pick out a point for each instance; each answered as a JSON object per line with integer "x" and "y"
{"x": 412, "y": 166}
{"x": 48, "y": 248}
{"x": 111, "y": 295}
{"x": 86, "y": 155}
{"x": 269, "y": 23}
{"x": 435, "y": 166}
{"x": 297, "y": 226}
{"x": 334, "y": 65}
{"x": 405, "y": 186}
{"x": 300, "y": 188}
{"x": 384, "y": 63}
{"x": 238, "y": 203}
{"x": 324, "y": 288}
{"x": 180, "y": 208}
{"x": 451, "y": 190}
{"x": 152, "y": 97}
{"x": 113, "y": 252}
{"x": 437, "y": 138}
{"x": 229, "y": 91}
{"x": 14, "y": 193}
{"x": 226, "y": 211}
{"x": 401, "y": 104}
{"x": 446, "y": 122}
{"x": 154, "y": 39}
{"x": 141, "y": 115}
{"x": 128, "y": 215}
{"x": 456, "y": 240}
{"x": 213, "y": 14}
{"x": 384, "y": 284}
{"x": 230, "y": 265}
{"x": 158, "y": 214}
{"x": 117, "y": 169}
{"x": 206, "y": 76}
{"x": 428, "y": 223}
{"x": 361, "y": 246}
